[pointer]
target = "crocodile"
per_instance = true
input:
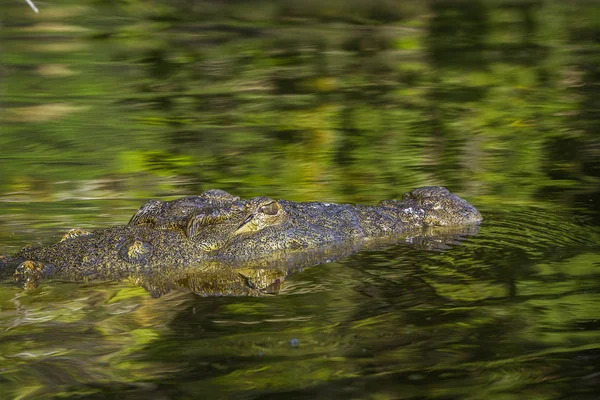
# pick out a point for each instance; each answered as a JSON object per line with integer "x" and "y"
{"x": 217, "y": 243}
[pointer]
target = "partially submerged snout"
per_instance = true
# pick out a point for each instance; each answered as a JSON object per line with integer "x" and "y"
{"x": 436, "y": 206}
{"x": 443, "y": 208}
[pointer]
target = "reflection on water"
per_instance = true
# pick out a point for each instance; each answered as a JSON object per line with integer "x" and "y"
{"x": 509, "y": 310}
{"x": 108, "y": 104}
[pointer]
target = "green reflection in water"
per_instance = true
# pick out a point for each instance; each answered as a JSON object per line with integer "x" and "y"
{"x": 507, "y": 312}
{"x": 491, "y": 99}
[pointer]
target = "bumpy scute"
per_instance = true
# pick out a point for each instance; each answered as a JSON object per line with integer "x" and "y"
{"x": 209, "y": 217}
{"x": 211, "y": 207}
{"x": 136, "y": 251}
{"x": 219, "y": 195}
{"x": 75, "y": 232}
{"x": 147, "y": 213}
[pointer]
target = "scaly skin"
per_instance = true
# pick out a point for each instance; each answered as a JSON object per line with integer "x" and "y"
{"x": 215, "y": 236}
{"x": 187, "y": 213}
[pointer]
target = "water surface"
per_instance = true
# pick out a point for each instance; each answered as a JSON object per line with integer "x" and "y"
{"x": 108, "y": 104}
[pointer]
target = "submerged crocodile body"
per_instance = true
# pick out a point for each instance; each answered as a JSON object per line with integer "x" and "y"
{"x": 220, "y": 244}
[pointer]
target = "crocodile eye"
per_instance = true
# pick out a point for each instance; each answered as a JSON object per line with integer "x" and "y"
{"x": 270, "y": 209}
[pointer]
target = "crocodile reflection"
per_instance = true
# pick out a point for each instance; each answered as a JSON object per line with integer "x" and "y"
{"x": 219, "y": 244}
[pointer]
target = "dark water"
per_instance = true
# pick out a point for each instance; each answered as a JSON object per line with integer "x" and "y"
{"x": 107, "y": 104}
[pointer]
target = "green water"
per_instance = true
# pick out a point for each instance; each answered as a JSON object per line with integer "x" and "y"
{"x": 104, "y": 104}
